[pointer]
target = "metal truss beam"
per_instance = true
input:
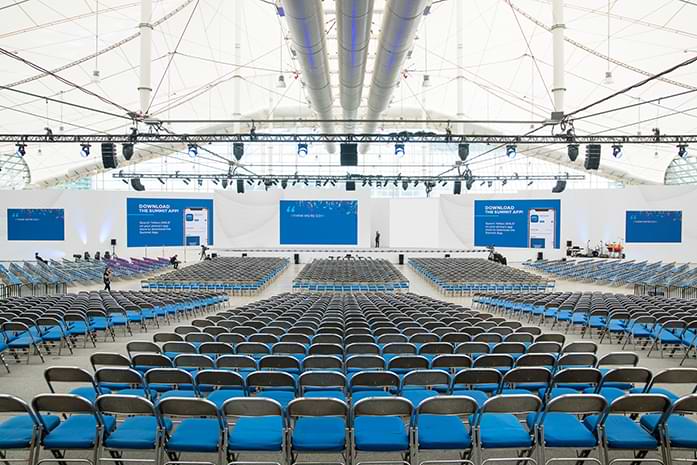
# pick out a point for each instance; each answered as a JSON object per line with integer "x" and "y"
{"x": 400, "y": 137}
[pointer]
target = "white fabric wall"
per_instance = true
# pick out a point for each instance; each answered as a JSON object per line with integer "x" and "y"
{"x": 92, "y": 218}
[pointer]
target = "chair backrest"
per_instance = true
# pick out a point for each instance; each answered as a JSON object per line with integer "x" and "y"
{"x": 461, "y": 406}
{"x": 151, "y": 360}
{"x": 580, "y": 346}
{"x": 536, "y": 360}
{"x": 494, "y": 361}
{"x": 220, "y": 379}
{"x": 453, "y": 362}
{"x": 375, "y": 379}
{"x": 474, "y": 376}
{"x": 591, "y": 376}
{"x": 628, "y": 359}
{"x": 408, "y": 362}
{"x": 108, "y": 359}
{"x": 383, "y": 406}
{"x": 626, "y": 375}
{"x": 61, "y": 374}
{"x": 674, "y": 376}
{"x": 577, "y": 359}
{"x": 317, "y": 407}
{"x": 279, "y": 362}
{"x": 270, "y": 379}
{"x": 114, "y": 404}
{"x": 193, "y": 361}
{"x": 173, "y": 376}
{"x": 189, "y": 408}
{"x": 141, "y": 347}
{"x": 251, "y": 407}
{"x": 516, "y": 404}
{"x": 120, "y": 375}
{"x": 519, "y": 377}
{"x": 236, "y": 362}
{"x": 576, "y": 404}
{"x": 321, "y": 379}
{"x": 323, "y": 362}
{"x": 64, "y": 403}
{"x": 12, "y": 404}
{"x": 426, "y": 378}
{"x": 638, "y": 404}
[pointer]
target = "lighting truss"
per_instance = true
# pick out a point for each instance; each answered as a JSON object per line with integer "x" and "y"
{"x": 400, "y": 137}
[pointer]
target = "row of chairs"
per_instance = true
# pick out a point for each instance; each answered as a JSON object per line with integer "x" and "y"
{"x": 518, "y": 426}
{"x": 335, "y": 275}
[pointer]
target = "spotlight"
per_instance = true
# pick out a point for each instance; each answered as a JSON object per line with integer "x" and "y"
{"x": 21, "y": 149}
{"x": 85, "y": 150}
{"x": 399, "y": 150}
{"x": 187, "y": 181}
{"x": 49, "y": 133}
{"x": 530, "y": 183}
{"x": 617, "y": 151}
{"x": 127, "y": 150}
{"x": 489, "y": 183}
{"x": 504, "y": 182}
{"x": 469, "y": 183}
{"x": 200, "y": 182}
{"x": 463, "y": 151}
{"x": 284, "y": 182}
{"x": 302, "y": 149}
{"x": 162, "y": 181}
{"x": 405, "y": 185}
{"x": 193, "y": 150}
{"x": 281, "y": 82}
{"x": 224, "y": 183}
{"x": 572, "y": 151}
{"x": 511, "y": 151}
{"x": 682, "y": 150}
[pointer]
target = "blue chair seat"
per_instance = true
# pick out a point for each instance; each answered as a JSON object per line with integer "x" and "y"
{"x": 623, "y": 433}
{"x": 503, "y": 430}
{"x": 443, "y": 432}
{"x": 178, "y": 393}
{"x": 196, "y": 435}
{"x": 380, "y": 434}
{"x": 331, "y": 393}
{"x": 21, "y": 342}
{"x": 565, "y": 430}
{"x": 16, "y": 432}
{"x": 136, "y": 433}
{"x": 479, "y": 396}
{"x": 681, "y": 431}
{"x": 282, "y": 397}
{"x": 609, "y": 393}
{"x": 219, "y": 396}
{"x": 416, "y": 396}
{"x": 356, "y": 396}
{"x": 657, "y": 390}
{"x": 257, "y": 434}
{"x": 89, "y": 393}
{"x": 77, "y": 432}
{"x": 319, "y": 434}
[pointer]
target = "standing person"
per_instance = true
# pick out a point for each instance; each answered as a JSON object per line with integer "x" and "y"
{"x": 377, "y": 239}
{"x": 204, "y": 249}
{"x": 174, "y": 261}
{"x": 107, "y": 279}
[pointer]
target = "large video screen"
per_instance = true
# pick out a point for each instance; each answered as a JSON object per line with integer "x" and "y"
{"x": 319, "y": 222}
{"x": 35, "y": 224}
{"x": 517, "y": 223}
{"x": 653, "y": 226}
{"x": 169, "y": 222}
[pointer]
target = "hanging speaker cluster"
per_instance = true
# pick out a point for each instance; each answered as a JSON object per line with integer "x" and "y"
{"x": 137, "y": 185}
{"x": 559, "y": 187}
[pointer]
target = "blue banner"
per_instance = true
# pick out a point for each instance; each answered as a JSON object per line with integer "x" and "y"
{"x": 517, "y": 223}
{"x": 653, "y": 226}
{"x": 169, "y": 222}
{"x": 319, "y": 222}
{"x": 35, "y": 224}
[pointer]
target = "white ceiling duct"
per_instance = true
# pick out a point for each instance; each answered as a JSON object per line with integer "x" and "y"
{"x": 399, "y": 25}
{"x": 306, "y": 24}
{"x": 354, "y": 20}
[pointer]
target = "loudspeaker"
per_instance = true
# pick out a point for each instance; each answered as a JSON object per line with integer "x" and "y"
{"x": 559, "y": 188}
{"x": 350, "y": 185}
{"x": 349, "y": 154}
{"x": 109, "y": 159}
{"x": 463, "y": 151}
{"x": 296, "y": 258}
{"x": 214, "y": 255}
{"x": 592, "y": 157}
{"x": 240, "y": 186}
{"x": 572, "y": 151}
{"x": 401, "y": 259}
{"x": 113, "y": 242}
{"x": 244, "y": 255}
{"x": 447, "y": 255}
{"x": 569, "y": 244}
{"x": 540, "y": 256}
{"x": 137, "y": 185}
{"x": 238, "y": 150}
{"x": 457, "y": 187}
{"x": 127, "y": 150}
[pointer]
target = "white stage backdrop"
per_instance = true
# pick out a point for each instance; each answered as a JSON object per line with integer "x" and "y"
{"x": 93, "y": 218}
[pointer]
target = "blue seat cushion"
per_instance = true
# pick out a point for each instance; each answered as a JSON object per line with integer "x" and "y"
{"x": 609, "y": 393}
{"x": 443, "y": 432}
{"x": 565, "y": 430}
{"x": 77, "y": 432}
{"x": 257, "y": 434}
{"x": 16, "y": 432}
{"x": 196, "y": 435}
{"x": 331, "y": 393}
{"x": 219, "y": 396}
{"x": 380, "y": 434}
{"x": 657, "y": 390}
{"x": 557, "y": 391}
{"x": 282, "y": 397}
{"x": 178, "y": 393}
{"x": 89, "y": 393}
{"x": 136, "y": 433}
{"x": 416, "y": 396}
{"x": 479, "y": 396}
{"x": 681, "y": 431}
{"x": 319, "y": 434}
{"x": 503, "y": 430}
{"x": 623, "y": 433}
{"x": 356, "y": 396}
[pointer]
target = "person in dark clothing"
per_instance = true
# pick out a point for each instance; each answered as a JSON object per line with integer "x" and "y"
{"x": 174, "y": 261}
{"x": 107, "y": 279}
{"x": 377, "y": 239}
{"x": 39, "y": 259}
{"x": 204, "y": 249}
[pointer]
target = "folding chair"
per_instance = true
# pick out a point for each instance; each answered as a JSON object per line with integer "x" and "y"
{"x": 677, "y": 428}
{"x": 275, "y": 385}
{"x": 442, "y": 424}
{"x": 382, "y": 425}
{"x": 171, "y": 382}
{"x": 82, "y": 428}
{"x": 571, "y": 381}
{"x": 221, "y": 385}
{"x": 198, "y": 428}
{"x": 138, "y": 427}
{"x": 74, "y": 375}
{"x": 121, "y": 380}
{"x": 419, "y": 385}
{"x": 318, "y": 425}
{"x": 255, "y": 425}
{"x": 612, "y": 385}
{"x": 476, "y": 383}
{"x": 323, "y": 363}
{"x": 671, "y": 376}
{"x": 242, "y": 364}
{"x": 525, "y": 380}
{"x": 497, "y": 426}
{"x": 366, "y": 384}
{"x": 560, "y": 426}
{"x": 22, "y": 430}
{"x": 317, "y": 383}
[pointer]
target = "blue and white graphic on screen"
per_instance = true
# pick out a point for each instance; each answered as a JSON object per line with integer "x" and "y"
{"x": 319, "y": 222}
{"x": 35, "y": 224}
{"x": 652, "y": 226}
{"x": 169, "y": 222}
{"x": 517, "y": 223}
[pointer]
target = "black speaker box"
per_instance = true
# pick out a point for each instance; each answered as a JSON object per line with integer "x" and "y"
{"x": 457, "y": 187}
{"x": 350, "y": 185}
{"x": 401, "y": 259}
{"x": 349, "y": 154}
{"x": 238, "y": 150}
{"x": 109, "y": 159}
{"x": 296, "y": 258}
{"x": 240, "y": 186}
{"x": 592, "y": 157}
{"x": 113, "y": 242}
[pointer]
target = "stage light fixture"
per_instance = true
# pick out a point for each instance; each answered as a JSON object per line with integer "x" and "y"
{"x": 127, "y": 150}
{"x": 682, "y": 150}
{"x": 511, "y": 151}
{"x": 469, "y": 183}
{"x": 504, "y": 182}
{"x": 162, "y": 181}
{"x": 572, "y": 151}
{"x": 193, "y": 150}
{"x": 284, "y": 183}
{"x": 21, "y": 149}
{"x": 399, "y": 150}
{"x": 405, "y": 185}
{"x": 85, "y": 150}
{"x": 302, "y": 149}
{"x": 530, "y": 183}
{"x": 617, "y": 151}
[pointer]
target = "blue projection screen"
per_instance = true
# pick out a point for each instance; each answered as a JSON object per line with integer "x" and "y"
{"x": 319, "y": 222}
{"x": 517, "y": 223}
{"x": 653, "y": 226}
{"x": 169, "y": 222}
{"x": 35, "y": 224}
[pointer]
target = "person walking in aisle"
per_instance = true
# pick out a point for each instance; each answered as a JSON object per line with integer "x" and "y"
{"x": 377, "y": 239}
{"x": 107, "y": 279}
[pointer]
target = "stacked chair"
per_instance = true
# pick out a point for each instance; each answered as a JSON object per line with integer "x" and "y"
{"x": 234, "y": 275}
{"x": 348, "y": 275}
{"x": 464, "y": 276}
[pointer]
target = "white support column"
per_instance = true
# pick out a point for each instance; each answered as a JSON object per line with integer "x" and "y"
{"x": 558, "y": 26}
{"x": 459, "y": 22}
{"x": 145, "y": 26}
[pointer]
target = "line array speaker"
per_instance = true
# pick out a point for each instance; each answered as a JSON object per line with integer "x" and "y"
{"x": 240, "y": 186}
{"x": 349, "y": 154}
{"x": 109, "y": 159}
{"x": 592, "y": 157}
